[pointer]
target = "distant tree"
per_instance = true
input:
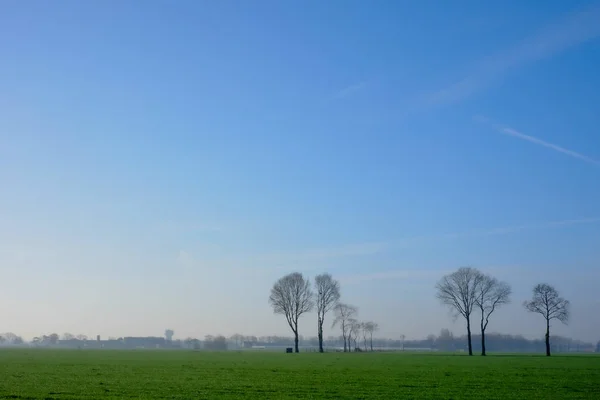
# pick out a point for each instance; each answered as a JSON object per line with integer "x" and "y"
{"x": 431, "y": 340}
{"x": 491, "y": 294}
{"x": 402, "y": 337}
{"x": 237, "y": 338}
{"x": 10, "y": 337}
{"x": 328, "y": 295}
{"x": 445, "y": 340}
{"x": 2, "y": 340}
{"x": 364, "y": 332}
{"x": 169, "y": 335}
{"x": 292, "y": 297}
{"x": 53, "y": 338}
{"x": 68, "y": 336}
{"x": 215, "y": 343}
{"x": 547, "y": 302}
{"x": 598, "y": 347}
{"x": 82, "y": 337}
{"x": 344, "y": 315}
{"x": 353, "y": 333}
{"x": 370, "y": 328}
{"x": 459, "y": 292}
{"x": 36, "y": 340}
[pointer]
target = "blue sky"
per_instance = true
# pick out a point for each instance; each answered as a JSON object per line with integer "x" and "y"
{"x": 162, "y": 163}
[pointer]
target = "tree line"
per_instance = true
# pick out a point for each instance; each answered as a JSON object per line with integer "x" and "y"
{"x": 293, "y": 295}
{"x": 465, "y": 291}
{"x": 468, "y": 289}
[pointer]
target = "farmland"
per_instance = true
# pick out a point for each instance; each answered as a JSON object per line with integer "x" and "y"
{"x": 138, "y": 374}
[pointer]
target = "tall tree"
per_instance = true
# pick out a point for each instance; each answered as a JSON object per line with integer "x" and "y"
{"x": 547, "y": 302}
{"x": 292, "y": 297}
{"x": 68, "y": 336}
{"x": 344, "y": 315}
{"x": 328, "y": 295}
{"x": 458, "y": 291}
{"x": 491, "y": 294}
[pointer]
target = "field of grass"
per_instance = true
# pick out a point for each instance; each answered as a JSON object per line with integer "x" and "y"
{"x": 80, "y": 374}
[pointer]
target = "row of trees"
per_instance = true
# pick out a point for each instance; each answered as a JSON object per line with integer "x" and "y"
{"x": 468, "y": 289}
{"x": 293, "y": 296}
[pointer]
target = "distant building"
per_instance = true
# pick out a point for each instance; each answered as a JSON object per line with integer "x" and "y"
{"x": 149, "y": 342}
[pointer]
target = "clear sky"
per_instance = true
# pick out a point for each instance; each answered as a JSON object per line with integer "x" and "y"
{"x": 163, "y": 163}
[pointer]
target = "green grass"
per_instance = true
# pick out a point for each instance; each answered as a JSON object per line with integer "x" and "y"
{"x": 50, "y": 374}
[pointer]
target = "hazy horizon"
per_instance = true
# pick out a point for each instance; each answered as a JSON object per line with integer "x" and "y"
{"x": 163, "y": 164}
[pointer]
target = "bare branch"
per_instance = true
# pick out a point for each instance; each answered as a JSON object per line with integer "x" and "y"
{"x": 547, "y": 302}
{"x": 344, "y": 317}
{"x": 328, "y": 295}
{"x": 292, "y": 297}
{"x": 459, "y": 292}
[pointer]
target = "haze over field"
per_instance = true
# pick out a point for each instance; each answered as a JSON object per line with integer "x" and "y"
{"x": 164, "y": 163}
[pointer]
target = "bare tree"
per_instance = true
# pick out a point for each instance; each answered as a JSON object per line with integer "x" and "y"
{"x": 459, "y": 292}
{"x": 547, "y": 302}
{"x": 292, "y": 297}
{"x": 353, "y": 332}
{"x": 68, "y": 336}
{"x": 364, "y": 330}
{"x": 53, "y": 338}
{"x": 82, "y": 337}
{"x": 344, "y": 314}
{"x": 370, "y": 327}
{"x": 328, "y": 295}
{"x": 237, "y": 338}
{"x": 491, "y": 294}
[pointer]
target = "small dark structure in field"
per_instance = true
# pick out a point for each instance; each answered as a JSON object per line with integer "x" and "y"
{"x": 289, "y": 349}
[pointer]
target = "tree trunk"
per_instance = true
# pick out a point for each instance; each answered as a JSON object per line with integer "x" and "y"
{"x": 296, "y": 337}
{"x": 320, "y": 330}
{"x": 483, "y": 342}
{"x": 371, "y": 342}
{"x": 469, "y": 337}
{"x": 547, "y": 337}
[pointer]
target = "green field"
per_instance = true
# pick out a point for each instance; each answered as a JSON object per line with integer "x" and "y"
{"x": 73, "y": 374}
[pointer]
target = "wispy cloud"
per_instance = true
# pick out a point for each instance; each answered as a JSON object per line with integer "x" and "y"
{"x": 540, "y": 142}
{"x": 532, "y": 139}
{"x": 350, "y": 90}
{"x": 574, "y": 29}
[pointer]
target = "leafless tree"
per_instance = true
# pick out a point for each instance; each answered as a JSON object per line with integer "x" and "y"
{"x": 328, "y": 295}
{"x": 82, "y": 337}
{"x": 237, "y": 338}
{"x": 370, "y": 327}
{"x": 353, "y": 332}
{"x": 344, "y": 315}
{"x": 292, "y": 297}
{"x": 547, "y": 302}
{"x": 364, "y": 333}
{"x": 53, "y": 338}
{"x": 68, "y": 336}
{"x": 491, "y": 294}
{"x": 458, "y": 291}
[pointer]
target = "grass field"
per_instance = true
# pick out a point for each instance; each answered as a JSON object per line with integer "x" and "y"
{"x": 74, "y": 374}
